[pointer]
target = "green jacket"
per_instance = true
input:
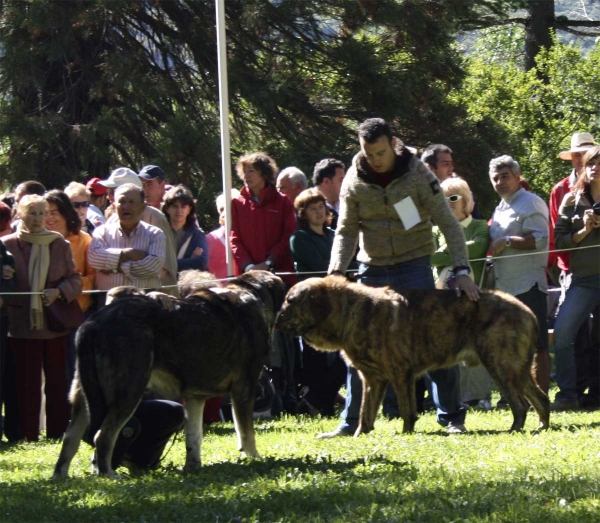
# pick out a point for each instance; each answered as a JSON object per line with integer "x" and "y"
{"x": 477, "y": 235}
{"x": 311, "y": 251}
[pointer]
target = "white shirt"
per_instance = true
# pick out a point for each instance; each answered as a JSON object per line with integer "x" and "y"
{"x": 520, "y": 214}
{"x": 109, "y": 240}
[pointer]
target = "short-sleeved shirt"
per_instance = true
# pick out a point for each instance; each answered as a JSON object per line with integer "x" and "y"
{"x": 521, "y": 214}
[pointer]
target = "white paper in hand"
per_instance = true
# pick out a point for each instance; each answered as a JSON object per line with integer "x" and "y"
{"x": 407, "y": 210}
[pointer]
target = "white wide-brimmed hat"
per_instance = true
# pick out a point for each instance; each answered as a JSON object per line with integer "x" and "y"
{"x": 121, "y": 176}
{"x": 580, "y": 142}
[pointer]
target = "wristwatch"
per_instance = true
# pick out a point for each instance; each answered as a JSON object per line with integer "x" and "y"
{"x": 268, "y": 262}
{"x": 507, "y": 241}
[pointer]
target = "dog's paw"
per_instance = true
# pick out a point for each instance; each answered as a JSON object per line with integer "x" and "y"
{"x": 251, "y": 454}
{"x": 192, "y": 468}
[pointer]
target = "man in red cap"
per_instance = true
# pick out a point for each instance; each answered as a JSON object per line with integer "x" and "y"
{"x": 98, "y": 200}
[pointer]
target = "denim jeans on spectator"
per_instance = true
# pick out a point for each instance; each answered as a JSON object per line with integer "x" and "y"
{"x": 582, "y": 297}
{"x": 445, "y": 383}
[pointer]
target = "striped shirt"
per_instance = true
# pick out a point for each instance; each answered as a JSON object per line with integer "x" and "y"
{"x": 105, "y": 250}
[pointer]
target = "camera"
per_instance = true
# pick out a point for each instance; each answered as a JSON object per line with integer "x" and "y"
{"x": 596, "y": 208}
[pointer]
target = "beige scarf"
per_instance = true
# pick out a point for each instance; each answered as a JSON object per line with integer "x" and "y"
{"x": 39, "y": 263}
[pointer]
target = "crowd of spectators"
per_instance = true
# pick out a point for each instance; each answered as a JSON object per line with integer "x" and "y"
{"x": 400, "y": 220}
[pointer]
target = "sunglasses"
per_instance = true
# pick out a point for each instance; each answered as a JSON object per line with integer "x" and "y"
{"x": 454, "y": 198}
{"x": 79, "y": 205}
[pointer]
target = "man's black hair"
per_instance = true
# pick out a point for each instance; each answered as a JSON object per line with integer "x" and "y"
{"x": 31, "y": 187}
{"x": 430, "y": 154}
{"x": 373, "y": 129}
{"x": 326, "y": 169}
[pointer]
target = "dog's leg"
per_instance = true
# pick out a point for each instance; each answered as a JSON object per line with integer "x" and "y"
{"x": 75, "y": 431}
{"x": 107, "y": 436}
{"x": 373, "y": 391}
{"x": 194, "y": 409}
{"x": 539, "y": 400}
{"x": 403, "y": 382}
{"x": 243, "y": 418}
{"x": 508, "y": 379}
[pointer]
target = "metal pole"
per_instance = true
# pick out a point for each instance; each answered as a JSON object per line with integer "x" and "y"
{"x": 224, "y": 117}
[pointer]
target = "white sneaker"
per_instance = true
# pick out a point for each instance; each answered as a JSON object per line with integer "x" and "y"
{"x": 484, "y": 405}
{"x": 456, "y": 428}
{"x": 337, "y": 433}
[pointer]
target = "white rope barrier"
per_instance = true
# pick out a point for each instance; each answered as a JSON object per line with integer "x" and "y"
{"x": 217, "y": 280}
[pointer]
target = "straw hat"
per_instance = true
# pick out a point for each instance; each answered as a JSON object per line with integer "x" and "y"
{"x": 580, "y": 142}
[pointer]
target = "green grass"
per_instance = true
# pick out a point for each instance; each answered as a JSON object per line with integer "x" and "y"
{"x": 486, "y": 475}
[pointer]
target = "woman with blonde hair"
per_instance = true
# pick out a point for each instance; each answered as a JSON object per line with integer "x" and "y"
{"x": 475, "y": 382}
{"x": 217, "y": 241}
{"x": 80, "y": 199}
{"x": 45, "y": 272}
{"x": 460, "y": 199}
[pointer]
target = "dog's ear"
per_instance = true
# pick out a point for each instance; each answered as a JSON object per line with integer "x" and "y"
{"x": 320, "y": 303}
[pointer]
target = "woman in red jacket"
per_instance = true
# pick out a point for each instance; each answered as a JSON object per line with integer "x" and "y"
{"x": 262, "y": 220}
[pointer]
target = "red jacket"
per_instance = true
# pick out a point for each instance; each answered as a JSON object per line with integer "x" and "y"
{"x": 556, "y": 197}
{"x": 262, "y": 230}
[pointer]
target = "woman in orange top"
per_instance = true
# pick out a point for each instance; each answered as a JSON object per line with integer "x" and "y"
{"x": 62, "y": 217}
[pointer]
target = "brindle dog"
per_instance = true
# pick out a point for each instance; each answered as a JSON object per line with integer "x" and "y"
{"x": 395, "y": 337}
{"x": 213, "y": 342}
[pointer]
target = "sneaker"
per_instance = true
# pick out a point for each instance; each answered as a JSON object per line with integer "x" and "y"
{"x": 304, "y": 407}
{"x": 133, "y": 470}
{"x": 562, "y": 405}
{"x": 483, "y": 405}
{"x": 589, "y": 402}
{"x": 337, "y": 433}
{"x": 502, "y": 404}
{"x": 456, "y": 428}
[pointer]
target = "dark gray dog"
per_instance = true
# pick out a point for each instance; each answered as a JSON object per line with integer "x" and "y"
{"x": 213, "y": 342}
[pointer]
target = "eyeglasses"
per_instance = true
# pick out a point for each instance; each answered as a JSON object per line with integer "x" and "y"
{"x": 454, "y": 197}
{"x": 79, "y": 205}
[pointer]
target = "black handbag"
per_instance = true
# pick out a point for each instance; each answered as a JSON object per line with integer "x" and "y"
{"x": 63, "y": 317}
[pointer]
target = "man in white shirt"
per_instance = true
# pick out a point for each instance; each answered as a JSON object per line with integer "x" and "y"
{"x": 128, "y": 251}
{"x": 520, "y": 226}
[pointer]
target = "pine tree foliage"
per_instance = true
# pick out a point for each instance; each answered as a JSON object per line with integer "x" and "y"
{"x": 88, "y": 86}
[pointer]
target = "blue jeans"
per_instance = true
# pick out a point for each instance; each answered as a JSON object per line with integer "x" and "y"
{"x": 445, "y": 383}
{"x": 582, "y": 297}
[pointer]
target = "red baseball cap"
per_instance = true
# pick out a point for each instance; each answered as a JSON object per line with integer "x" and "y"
{"x": 96, "y": 187}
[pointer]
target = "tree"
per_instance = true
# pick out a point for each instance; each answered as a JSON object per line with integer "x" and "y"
{"x": 539, "y": 19}
{"x": 88, "y": 86}
{"x": 536, "y": 118}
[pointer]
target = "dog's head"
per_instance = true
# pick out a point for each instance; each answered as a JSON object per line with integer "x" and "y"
{"x": 124, "y": 291}
{"x": 306, "y": 305}
{"x": 267, "y": 287}
{"x": 192, "y": 280}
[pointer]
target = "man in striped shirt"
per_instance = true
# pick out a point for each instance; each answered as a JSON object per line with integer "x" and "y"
{"x": 128, "y": 251}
